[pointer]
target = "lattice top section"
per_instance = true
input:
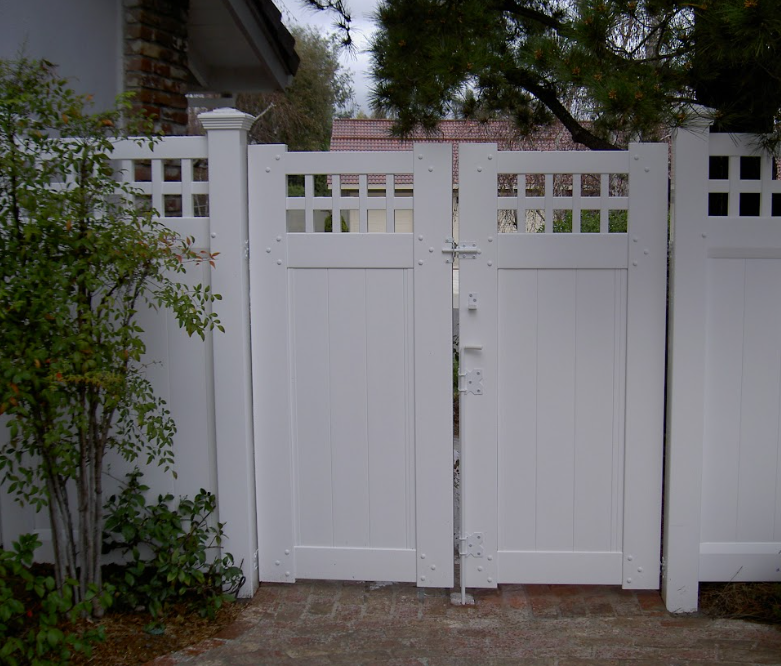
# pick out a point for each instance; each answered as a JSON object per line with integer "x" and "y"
{"x": 741, "y": 183}
{"x": 172, "y": 178}
{"x": 562, "y": 203}
{"x": 363, "y": 203}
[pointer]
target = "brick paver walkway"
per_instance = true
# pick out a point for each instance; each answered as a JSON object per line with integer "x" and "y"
{"x": 325, "y": 623}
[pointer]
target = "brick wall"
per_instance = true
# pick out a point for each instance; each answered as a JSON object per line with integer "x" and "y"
{"x": 156, "y": 60}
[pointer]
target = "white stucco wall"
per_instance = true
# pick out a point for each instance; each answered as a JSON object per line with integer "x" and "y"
{"x": 83, "y": 37}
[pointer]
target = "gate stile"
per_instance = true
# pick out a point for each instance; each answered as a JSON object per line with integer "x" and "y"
{"x": 564, "y": 334}
{"x": 352, "y": 369}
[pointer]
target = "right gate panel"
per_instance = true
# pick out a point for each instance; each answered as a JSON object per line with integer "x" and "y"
{"x": 563, "y": 314}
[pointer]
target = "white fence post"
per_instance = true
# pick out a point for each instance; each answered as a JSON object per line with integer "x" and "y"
{"x": 226, "y": 130}
{"x": 686, "y": 372}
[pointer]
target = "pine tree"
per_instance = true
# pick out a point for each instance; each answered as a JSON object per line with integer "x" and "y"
{"x": 609, "y": 70}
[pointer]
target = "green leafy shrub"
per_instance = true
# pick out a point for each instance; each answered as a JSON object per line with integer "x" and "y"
{"x": 168, "y": 550}
{"x": 38, "y": 623}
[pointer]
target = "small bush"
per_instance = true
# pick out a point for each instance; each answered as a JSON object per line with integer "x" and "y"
{"x": 168, "y": 551}
{"x": 38, "y": 624}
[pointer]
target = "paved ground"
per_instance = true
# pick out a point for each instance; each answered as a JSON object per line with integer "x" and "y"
{"x": 325, "y": 623}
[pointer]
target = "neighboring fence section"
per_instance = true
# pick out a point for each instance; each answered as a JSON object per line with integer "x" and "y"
{"x": 723, "y": 490}
{"x": 199, "y": 184}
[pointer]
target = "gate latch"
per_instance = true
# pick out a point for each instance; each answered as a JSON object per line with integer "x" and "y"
{"x": 471, "y": 544}
{"x": 471, "y": 381}
{"x": 466, "y": 250}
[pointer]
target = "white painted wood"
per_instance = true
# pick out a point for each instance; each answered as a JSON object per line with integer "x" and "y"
{"x": 723, "y": 403}
{"x": 686, "y": 370}
{"x": 740, "y": 562}
{"x": 567, "y": 162}
{"x": 375, "y": 564}
{"x": 564, "y": 328}
{"x": 350, "y": 251}
{"x": 360, "y": 455}
{"x": 433, "y": 288}
{"x": 311, "y": 406}
{"x": 517, "y": 409}
{"x": 227, "y": 140}
{"x": 563, "y": 568}
{"x": 761, "y": 395}
{"x": 725, "y": 378}
{"x": 270, "y": 363}
{"x": 596, "y": 409}
{"x": 646, "y": 308}
{"x": 556, "y": 410}
{"x": 478, "y": 413}
{"x": 552, "y": 251}
{"x": 172, "y": 148}
{"x": 347, "y": 357}
{"x": 389, "y": 350}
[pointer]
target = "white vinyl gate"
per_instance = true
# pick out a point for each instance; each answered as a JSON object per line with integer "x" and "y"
{"x": 561, "y": 349}
{"x": 352, "y": 365}
{"x": 562, "y": 352}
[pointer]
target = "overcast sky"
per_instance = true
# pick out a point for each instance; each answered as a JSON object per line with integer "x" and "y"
{"x": 293, "y": 11}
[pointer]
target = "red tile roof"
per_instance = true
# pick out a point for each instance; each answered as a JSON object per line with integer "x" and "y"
{"x": 370, "y": 134}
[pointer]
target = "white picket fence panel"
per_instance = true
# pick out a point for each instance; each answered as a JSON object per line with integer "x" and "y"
{"x": 352, "y": 369}
{"x": 561, "y": 447}
{"x": 723, "y": 490}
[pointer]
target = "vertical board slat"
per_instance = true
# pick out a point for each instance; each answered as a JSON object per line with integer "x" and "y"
{"x": 336, "y": 204}
{"x": 556, "y": 410}
{"x": 517, "y": 396}
{"x": 594, "y": 409}
{"x": 311, "y": 415}
{"x": 723, "y": 382}
{"x": 350, "y": 462}
{"x": 759, "y": 436}
{"x": 387, "y": 348}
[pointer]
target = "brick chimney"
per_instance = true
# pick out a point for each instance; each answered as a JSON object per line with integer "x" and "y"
{"x": 155, "y": 60}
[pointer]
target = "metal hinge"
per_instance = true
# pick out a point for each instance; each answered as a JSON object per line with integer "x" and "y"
{"x": 473, "y": 381}
{"x": 471, "y": 545}
{"x": 466, "y": 250}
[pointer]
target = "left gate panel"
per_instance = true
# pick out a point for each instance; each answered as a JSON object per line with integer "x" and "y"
{"x": 340, "y": 441}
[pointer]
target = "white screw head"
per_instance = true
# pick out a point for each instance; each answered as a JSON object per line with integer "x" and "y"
{"x": 213, "y": 234}
{"x": 287, "y": 551}
{"x": 279, "y": 262}
{"x": 423, "y": 556}
{"x": 420, "y": 237}
{"x": 479, "y": 568}
{"x": 431, "y": 168}
{"x": 647, "y": 169}
{"x": 422, "y": 578}
{"x": 420, "y": 262}
{"x": 268, "y": 250}
{"x": 277, "y": 562}
{"x": 490, "y": 263}
{"x": 479, "y": 169}
{"x": 433, "y": 567}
